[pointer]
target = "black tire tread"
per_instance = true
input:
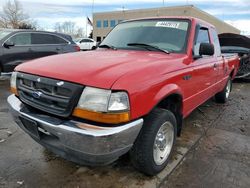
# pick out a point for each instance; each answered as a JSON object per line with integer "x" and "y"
{"x": 139, "y": 154}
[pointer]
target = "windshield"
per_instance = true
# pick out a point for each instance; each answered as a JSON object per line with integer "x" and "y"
{"x": 166, "y": 34}
{"x": 4, "y": 33}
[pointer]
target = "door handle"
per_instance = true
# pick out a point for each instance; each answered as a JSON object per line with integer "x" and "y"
{"x": 215, "y": 65}
{"x": 187, "y": 77}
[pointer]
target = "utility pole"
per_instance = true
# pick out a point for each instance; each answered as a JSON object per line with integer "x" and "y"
{"x": 163, "y": 2}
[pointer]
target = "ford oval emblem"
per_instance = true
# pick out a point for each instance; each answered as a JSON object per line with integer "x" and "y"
{"x": 37, "y": 94}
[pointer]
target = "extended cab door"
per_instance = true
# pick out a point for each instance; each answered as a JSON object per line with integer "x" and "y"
{"x": 221, "y": 64}
{"x": 17, "y": 54}
{"x": 205, "y": 67}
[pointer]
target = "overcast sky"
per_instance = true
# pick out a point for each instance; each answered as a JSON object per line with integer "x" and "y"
{"x": 47, "y": 12}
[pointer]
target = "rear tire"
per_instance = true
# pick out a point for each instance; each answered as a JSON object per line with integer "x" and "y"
{"x": 223, "y": 96}
{"x": 154, "y": 145}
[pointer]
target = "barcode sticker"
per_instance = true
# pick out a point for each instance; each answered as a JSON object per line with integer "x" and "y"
{"x": 168, "y": 24}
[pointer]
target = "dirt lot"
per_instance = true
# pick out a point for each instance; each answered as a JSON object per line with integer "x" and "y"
{"x": 213, "y": 151}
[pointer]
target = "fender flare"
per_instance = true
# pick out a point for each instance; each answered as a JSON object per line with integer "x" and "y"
{"x": 166, "y": 91}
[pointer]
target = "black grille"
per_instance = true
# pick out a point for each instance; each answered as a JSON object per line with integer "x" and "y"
{"x": 53, "y": 96}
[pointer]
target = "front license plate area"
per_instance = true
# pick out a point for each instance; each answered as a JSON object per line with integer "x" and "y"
{"x": 31, "y": 126}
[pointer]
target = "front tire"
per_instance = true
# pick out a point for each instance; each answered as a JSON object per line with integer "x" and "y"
{"x": 223, "y": 96}
{"x": 154, "y": 145}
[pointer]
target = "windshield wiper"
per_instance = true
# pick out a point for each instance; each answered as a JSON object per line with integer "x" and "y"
{"x": 107, "y": 46}
{"x": 148, "y": 46}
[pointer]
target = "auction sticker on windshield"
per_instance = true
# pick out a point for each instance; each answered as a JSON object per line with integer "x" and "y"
{"x": 168, "y": 24}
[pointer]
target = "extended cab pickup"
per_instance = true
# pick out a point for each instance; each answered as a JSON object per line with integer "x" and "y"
{"x": 129, "y": 95}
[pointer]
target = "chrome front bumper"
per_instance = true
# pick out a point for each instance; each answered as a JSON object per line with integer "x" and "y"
{"x": 76, "y": 141}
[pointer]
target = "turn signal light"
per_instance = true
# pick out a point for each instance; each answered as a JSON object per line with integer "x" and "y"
{"x": 14, "y": 91}
{"x": 112, "y": 118}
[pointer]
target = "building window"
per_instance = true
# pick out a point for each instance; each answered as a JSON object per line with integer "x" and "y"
{"x": 98, "y": 23}
{"x": 98, "y": 39}
{"x": 112, "y": 23}
{"x": 105, "y": 23}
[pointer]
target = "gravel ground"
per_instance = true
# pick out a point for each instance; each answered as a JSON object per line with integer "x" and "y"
{"x": 222, "y": 157}
{"x": 213, "y": 151}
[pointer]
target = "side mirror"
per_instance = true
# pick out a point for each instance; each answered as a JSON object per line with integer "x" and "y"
{"x": 206, "y": 49}
{"x": 8, "y": 44}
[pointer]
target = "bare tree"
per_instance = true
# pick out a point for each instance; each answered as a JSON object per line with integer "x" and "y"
{"x": 13, "y": 16}
{"x": 58, "y": 27}
{"x": 69, "y": 28}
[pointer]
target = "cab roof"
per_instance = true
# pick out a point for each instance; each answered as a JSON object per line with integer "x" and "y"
{"x": 192, "y": 19}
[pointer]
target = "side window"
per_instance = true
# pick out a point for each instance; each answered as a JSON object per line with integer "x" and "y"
{"x": 202, "y": 37}
{"x": 21, "y": 39}
{"x": 59, "y": 40}
{"x": 216, "y": 42}
{"x": 85, "y": 40}
{"x": 89, "y": 40}
{"x": 38, "y": 38}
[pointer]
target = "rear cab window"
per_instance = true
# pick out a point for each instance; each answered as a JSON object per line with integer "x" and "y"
{"x": 216, "y": 42}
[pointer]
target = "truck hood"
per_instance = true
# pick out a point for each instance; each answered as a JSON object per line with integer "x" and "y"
{"x": 100, "y": 68}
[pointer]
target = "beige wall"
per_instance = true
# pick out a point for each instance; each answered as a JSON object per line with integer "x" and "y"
{"x": 221, "y": 26}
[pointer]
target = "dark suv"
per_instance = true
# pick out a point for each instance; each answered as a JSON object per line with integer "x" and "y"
{"x": 18, "y": 46}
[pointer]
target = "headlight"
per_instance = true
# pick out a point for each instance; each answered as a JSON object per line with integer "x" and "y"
{"x": 94, "y": 99}
{"x": 13, "y": 88}
{"x": 102, "y": 105}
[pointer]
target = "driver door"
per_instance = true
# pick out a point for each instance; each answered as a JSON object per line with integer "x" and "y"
{"x": 205, "y": 68}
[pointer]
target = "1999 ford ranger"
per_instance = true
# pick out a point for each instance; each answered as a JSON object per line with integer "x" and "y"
{"x": 129, "y": 95}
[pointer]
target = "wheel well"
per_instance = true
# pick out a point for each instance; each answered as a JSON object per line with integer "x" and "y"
{"x": 174, "y": 104}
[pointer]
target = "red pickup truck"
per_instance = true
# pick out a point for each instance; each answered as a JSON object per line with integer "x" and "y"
{"x": 129, "y": 95}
